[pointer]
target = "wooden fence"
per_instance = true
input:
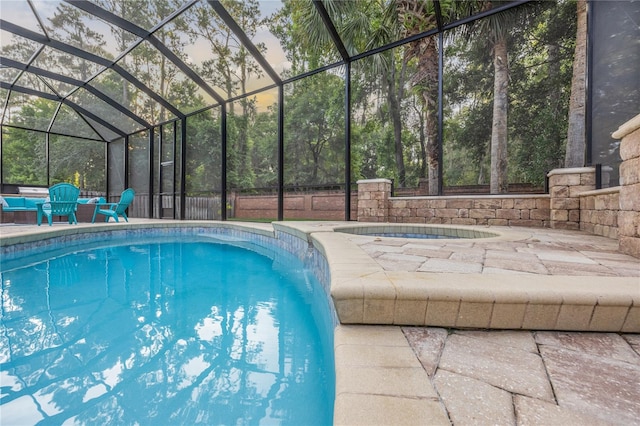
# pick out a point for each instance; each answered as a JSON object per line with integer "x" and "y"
{"x": 196, "y": 208}
{"x": 312, "y": 206}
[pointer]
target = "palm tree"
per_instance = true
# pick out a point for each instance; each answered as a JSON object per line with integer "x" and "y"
{"x": 417, "y": 16}
{"x": 353, "y": 20}
{"x": 574, "y": 156}
{"x": 498, "y": 183}
{"x": 495, "y": 30}
{"x": 402, "y": 18}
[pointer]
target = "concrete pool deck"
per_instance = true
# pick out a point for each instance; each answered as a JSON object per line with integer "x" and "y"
{"x": 459, "y": 373}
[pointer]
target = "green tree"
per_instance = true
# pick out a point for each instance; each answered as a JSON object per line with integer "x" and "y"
{"x": 20, "y": 49}
{"x": 240, "y": 173}
{"x": 230, "y": 65}
{"x": 362, "y": 25}
{"x": 540, "y": 82}
{"x": 132, "y": 10}
{"x": 24, "y": 151}
{"x": 230, "y": 68}
{"x": 539, "y": 74}
{"x": 77, "y": 161}
{"x": 204, "y": 155}
{"x": 497, "y": 31}
{"x": 23, "y": 156}
{"x": 68, "y": 25}
{"x": 418, "y": 16}
{"x": 468, "y": 90}
{"x": 314, "y": 130}
{"x": 264, "y": 156}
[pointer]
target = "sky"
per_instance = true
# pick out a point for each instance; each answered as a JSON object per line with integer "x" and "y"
{"x": 19, "y": 12}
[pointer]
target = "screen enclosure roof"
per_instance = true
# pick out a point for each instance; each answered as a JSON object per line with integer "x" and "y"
{"x": 105, "y": 69}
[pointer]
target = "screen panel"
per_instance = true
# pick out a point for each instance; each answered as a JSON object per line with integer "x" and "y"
{"x": 203, "y": 182}
{"x": 314, "y": 146}
{"x": 252, "y": 158}
{"x": 615, "y": 93}
{"x": 139, "y": 166}
{"x": 24, "y": 157}
{"x": 77, "y": 161}
{"x": 116, "y": 168}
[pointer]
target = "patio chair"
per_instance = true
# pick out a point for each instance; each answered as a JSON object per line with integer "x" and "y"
{"x": 115, "y": 209}
{"x": 63, "y": 201}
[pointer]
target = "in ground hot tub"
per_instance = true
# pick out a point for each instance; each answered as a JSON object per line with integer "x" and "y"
{"x": 417, "y": 231}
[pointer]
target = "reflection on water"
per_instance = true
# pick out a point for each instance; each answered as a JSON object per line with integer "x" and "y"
{"x": 172, "y": 333}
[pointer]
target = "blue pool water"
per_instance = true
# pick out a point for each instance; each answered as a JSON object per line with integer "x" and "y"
{"x": 165, "y": 332}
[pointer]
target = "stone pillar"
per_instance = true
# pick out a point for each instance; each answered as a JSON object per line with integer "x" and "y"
{"x": 629, "y": 213}
{"x": 373, "y": 200}
{"x": 565, "y": 186}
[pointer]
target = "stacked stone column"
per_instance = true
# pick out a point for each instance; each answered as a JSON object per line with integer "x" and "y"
{"x": 565, "y": 187}
{"x": 629, "y": 213}
{"x": 373, "y": 200}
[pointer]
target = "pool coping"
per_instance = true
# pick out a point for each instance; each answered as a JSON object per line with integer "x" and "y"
{"x": 44, "y": 232}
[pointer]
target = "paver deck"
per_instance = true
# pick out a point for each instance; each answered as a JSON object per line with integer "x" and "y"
{"x": 489, "y": 377}
{"x": 539, "y": 252}
{"x": 394, "y": 375}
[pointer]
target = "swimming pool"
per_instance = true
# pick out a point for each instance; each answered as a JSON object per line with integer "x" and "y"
{"x": 206, "y": 329}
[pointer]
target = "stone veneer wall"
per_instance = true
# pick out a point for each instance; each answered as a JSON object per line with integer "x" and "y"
{"x": 375, "y": 204}
{"x": 599, "y": 211}
{"x": 629, "y": 214}
{"x": 501, "y": 210}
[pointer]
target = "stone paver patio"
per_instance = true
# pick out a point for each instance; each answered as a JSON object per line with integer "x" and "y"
{"x": 540, "y": 251}
{"x": 472, "y": 377}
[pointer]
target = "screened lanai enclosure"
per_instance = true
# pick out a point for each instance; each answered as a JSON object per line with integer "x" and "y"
{"x": 242, "y": 109}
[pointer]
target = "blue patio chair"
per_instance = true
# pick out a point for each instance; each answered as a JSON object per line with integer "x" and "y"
{"x": 63, "y": 201}
{"x": 115, "y": 209}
